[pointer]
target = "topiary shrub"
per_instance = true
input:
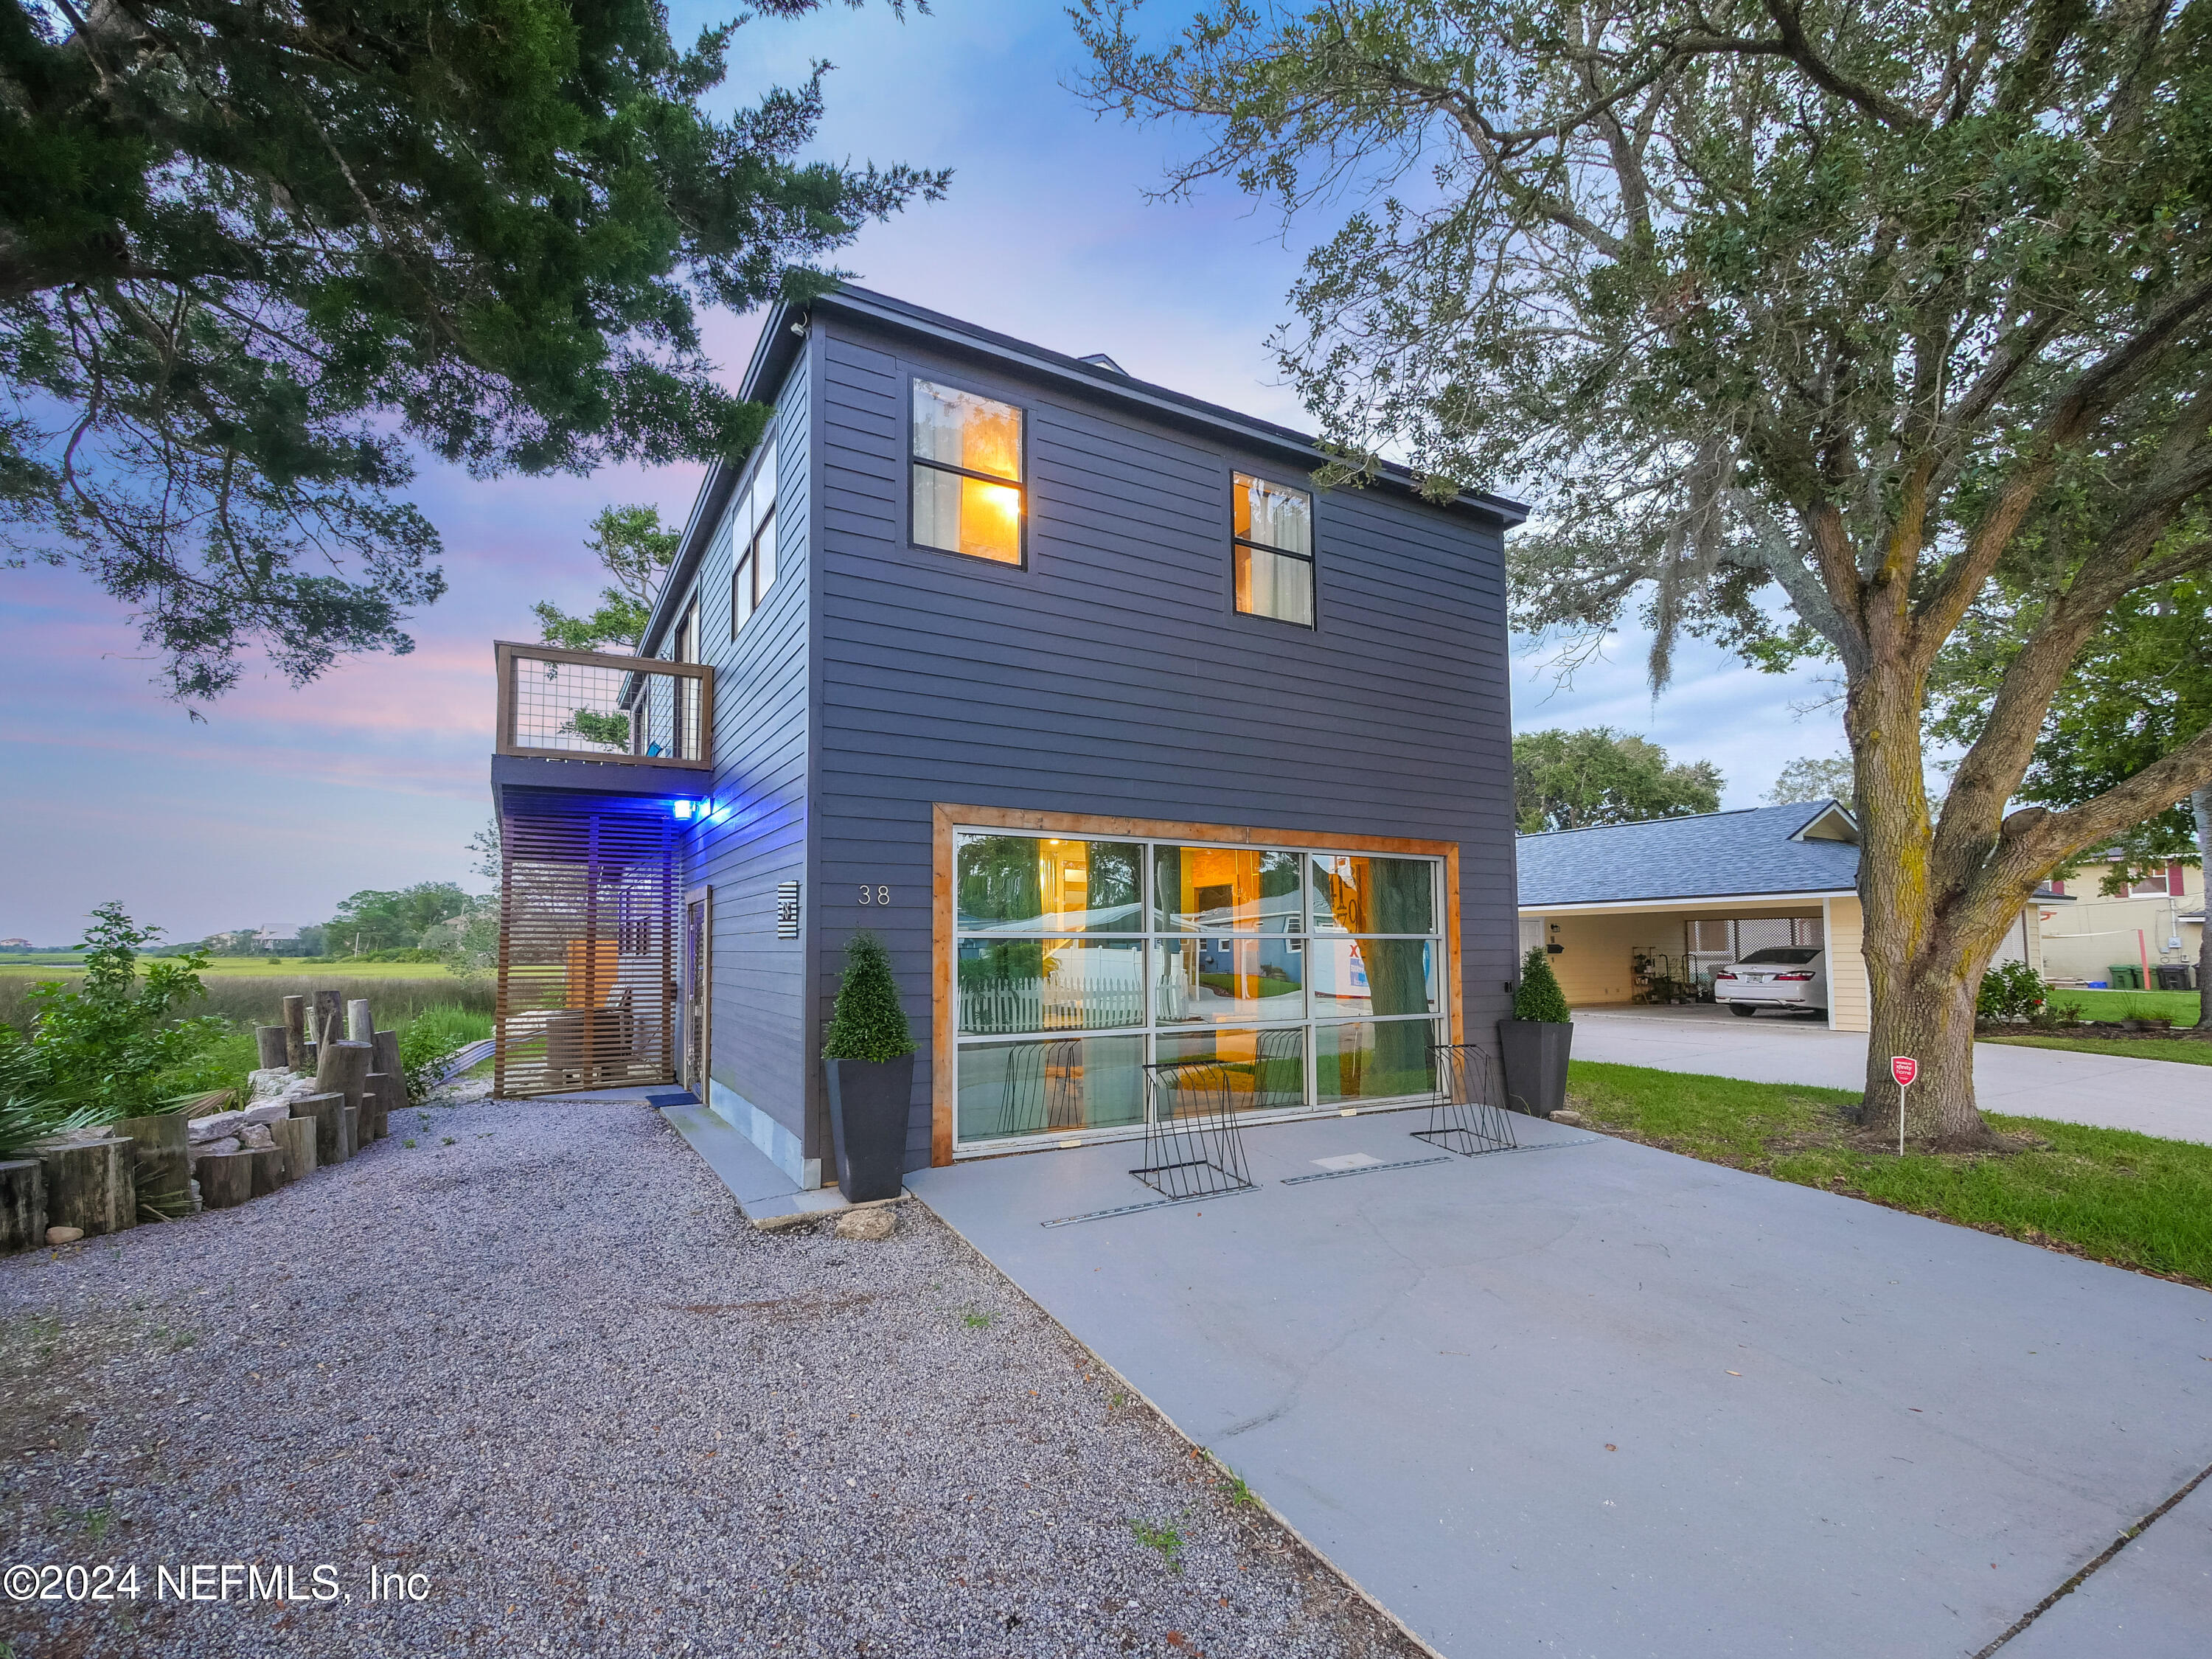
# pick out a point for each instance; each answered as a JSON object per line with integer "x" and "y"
{"x": 1539, "y": 997}
{"x": 869, "y": 1021}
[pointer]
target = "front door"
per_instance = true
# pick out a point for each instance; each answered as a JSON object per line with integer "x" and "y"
{"x": 698, "y": 986}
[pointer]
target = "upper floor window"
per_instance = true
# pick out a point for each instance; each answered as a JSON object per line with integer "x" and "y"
{"x": 751, "y": 526}
{"x": 2159, "y": 884}
{"x": 1274, "y": 530}
{"x": 966, "y": 467}
{"x": 755, "y": 572}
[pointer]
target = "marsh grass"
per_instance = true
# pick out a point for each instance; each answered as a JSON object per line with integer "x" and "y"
{"x": 2130, "y": 1200}
{"x": 258, "y": 999}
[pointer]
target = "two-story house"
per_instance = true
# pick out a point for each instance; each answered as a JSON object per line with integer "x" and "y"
{"x": 2158, "y": 922}
{"x": 1131, "y": 743}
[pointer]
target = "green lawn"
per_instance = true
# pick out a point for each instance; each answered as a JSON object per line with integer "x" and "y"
{"x": 2115, "y": 1196}
{"x": 2187, "y": 1053}
{"x": 2182, "y": 1007}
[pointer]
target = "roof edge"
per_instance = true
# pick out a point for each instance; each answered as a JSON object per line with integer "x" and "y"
{"x": 886, "y": 312}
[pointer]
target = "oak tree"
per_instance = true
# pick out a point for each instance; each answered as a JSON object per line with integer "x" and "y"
{"x": 1803, "y": 319}
{"x": 253, "y": 258}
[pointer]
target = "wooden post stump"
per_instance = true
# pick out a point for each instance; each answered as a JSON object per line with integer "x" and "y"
{"x": 22, "y": 1204}
{"x": 327, "y": 1020}
{"x": 161, "y": 1163}
{"x": 226, "y": 1179}
{"x": 272, "y": 1168}
{"x": 295, "y": 1033}
{"x": 349, "y": 1134}
{"x": 91, "y": 1184}
{"x": 342, "y": 1068}
{"x": 330, "y": 1129}
{"x": 376, "y": 1103}
{"x": 270, "y": 1040}
{"x": 297, "y": 1135}
{"x": 361, "y": 1026}
{"x": 385, "y": 1057}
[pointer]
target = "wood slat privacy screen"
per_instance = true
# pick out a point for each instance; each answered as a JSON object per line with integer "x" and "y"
{"x": 590, "y": 902}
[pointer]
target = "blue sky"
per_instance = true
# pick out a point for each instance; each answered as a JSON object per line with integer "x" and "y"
{"x": 283, "y": 802}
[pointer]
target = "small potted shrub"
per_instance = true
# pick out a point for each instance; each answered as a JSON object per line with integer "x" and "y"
{"x": 1535, "y": 1041}
{"x": 868, "y": 1053}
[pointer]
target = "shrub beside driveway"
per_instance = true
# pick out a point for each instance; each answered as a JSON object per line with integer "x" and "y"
{"x": 2110, "y": 1194}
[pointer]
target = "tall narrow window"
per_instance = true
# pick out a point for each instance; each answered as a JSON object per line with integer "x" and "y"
{"x": 755, "y": 574}
{"x": 750, "y": 528}
{"x": 1273, "y": 529}
{"x": 968, "y": 492}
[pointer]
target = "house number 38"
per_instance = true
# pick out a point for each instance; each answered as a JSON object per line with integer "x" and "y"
{"x": 875, "y": 895}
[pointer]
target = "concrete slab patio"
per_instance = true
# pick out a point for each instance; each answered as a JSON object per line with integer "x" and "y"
{"x": 2152, "y": 1097}
{"x": 1594, "y": 1398}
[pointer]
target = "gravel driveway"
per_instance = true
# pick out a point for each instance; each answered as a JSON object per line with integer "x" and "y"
{"x": 536, "y": 1358}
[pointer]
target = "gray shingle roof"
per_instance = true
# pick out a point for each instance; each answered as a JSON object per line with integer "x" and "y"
{"x": 1714, "y": 854}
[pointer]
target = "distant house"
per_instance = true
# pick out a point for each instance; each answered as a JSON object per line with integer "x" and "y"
{"x": 2158, "y": 922}
{"x": 1672, "y": 899}
{"x": 15, "y": 944}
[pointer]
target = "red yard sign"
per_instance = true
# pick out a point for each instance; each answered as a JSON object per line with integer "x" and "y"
{"x": 1904, "y": 1068}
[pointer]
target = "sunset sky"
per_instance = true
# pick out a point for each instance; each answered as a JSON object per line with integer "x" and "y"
{"x": 283, "y": 802}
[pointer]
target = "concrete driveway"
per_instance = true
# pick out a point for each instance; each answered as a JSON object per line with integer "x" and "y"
{"x": 2155, "y": 1096}
{"x": 1597, "y": 1400}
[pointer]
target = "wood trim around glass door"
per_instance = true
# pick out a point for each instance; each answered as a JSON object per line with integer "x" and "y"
{"x": 944, "y": 1027}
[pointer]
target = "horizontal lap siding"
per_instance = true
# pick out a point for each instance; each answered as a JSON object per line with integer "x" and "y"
{"x": 761, "y": 725}
{"x": 1111, "y": 676}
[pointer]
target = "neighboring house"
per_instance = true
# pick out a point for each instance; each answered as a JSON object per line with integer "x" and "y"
{"x": 1675, "y": 898}
{"x": 1131, "y": 745}
{"x": 15, "y": 945}
{"x": 2157, "y": 921}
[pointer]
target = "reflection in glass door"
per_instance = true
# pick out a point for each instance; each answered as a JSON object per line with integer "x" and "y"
{"x": 1316, "y": 979}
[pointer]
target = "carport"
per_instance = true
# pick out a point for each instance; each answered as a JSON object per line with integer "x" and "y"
{"x": 1632, "y": 913}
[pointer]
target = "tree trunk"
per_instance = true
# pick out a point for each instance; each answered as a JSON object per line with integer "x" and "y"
{"x": 1925, "y": 951}
{"x": 2200, "y": 802}
{"x": 271, "y": 1042}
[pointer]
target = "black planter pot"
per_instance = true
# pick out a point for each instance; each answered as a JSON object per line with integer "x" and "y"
{"x": 868, "y": 1108}
{"x": 1536, "y": 1055}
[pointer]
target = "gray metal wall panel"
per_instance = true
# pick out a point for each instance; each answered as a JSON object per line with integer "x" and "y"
{"x": 1113, "y": 677}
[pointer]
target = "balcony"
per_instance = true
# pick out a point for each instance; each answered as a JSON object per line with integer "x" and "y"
{"x": 593, "y": 706}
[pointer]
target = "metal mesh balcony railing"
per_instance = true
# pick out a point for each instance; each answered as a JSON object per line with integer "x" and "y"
{"x": 588, "y": 705}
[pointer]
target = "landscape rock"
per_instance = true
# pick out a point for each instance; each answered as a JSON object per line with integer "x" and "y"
{"x": 273, "y": 1111}
{"x": 254, "y": 1137}
{"x": 270, "y": 1083}
{"x": 876, "y": 1222}
{"x": 1572, "y": 1119}
{"x": 63, "y": 1235}
{"x": 203, "y": 1149}
{"x": 221, "y": 1125}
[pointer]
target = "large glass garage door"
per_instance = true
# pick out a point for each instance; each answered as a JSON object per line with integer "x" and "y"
{"x": 1317, "y": 979}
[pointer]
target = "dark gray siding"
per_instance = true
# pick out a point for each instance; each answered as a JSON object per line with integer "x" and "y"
{"x": 1113, "y": 675}
{"x": 760, "y": 1070}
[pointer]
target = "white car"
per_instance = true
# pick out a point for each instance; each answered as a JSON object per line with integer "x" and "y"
{"x": 1792, "y": 976}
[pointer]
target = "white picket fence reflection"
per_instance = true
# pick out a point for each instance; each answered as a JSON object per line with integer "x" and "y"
{"x": 1089, "y": 997}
